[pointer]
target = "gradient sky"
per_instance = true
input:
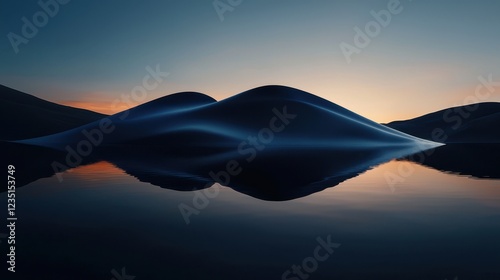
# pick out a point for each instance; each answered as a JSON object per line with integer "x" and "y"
{"x": 91, "y": 52}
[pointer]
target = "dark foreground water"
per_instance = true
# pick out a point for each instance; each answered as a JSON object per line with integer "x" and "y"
{"x": 399, "y": 220}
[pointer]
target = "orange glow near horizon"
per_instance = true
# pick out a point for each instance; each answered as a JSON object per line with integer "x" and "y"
{"x": 99, "y": 107}
{"x": 380, "y": 105}
{"x": 368, "y": 190}
{"x": 102, "y": 170}
{"x": 371, "y": 189}
{"x": 107, "y": 109}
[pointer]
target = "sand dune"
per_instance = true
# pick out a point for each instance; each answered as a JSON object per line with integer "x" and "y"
{"x": 271, "y": 142}
{"x": 275, "y": 115}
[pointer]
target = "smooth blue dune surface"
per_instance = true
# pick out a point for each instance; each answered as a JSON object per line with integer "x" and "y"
{"x": 284, "y": 117}
{"x": 293, "y": 141}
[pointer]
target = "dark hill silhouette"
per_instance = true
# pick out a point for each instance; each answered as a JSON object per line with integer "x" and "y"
{"x": 172, "y": 103}
{"x": 476, "y": 123}
{"x": 286, "y": 143}
{"x": 192, "y": 121}
{"x": 25, "y": 116}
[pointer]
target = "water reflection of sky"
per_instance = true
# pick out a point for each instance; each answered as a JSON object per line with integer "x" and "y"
{"x": 433, "y": 224}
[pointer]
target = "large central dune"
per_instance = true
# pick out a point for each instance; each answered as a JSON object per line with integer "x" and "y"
{"x": 271, "y": 142}
{"x": 272, "y": 116}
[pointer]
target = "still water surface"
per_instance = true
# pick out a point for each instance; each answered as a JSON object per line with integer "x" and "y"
{"x": 430, "y": 225}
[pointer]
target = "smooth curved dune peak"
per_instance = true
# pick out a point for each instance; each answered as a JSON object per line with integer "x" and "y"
{"x": 287, "y": 143}
{"x": 277, "y": 116}
{"x": 171, "y": 103}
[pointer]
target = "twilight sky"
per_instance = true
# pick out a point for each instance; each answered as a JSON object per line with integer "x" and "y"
{"x": 428, "y": 57}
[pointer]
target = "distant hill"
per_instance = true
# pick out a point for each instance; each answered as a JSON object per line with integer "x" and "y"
{"x": 477, "y": 124}
{"x": 25, "y": 116}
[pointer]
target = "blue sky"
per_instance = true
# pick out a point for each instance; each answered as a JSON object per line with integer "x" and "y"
{"x": 89, "y": 53}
